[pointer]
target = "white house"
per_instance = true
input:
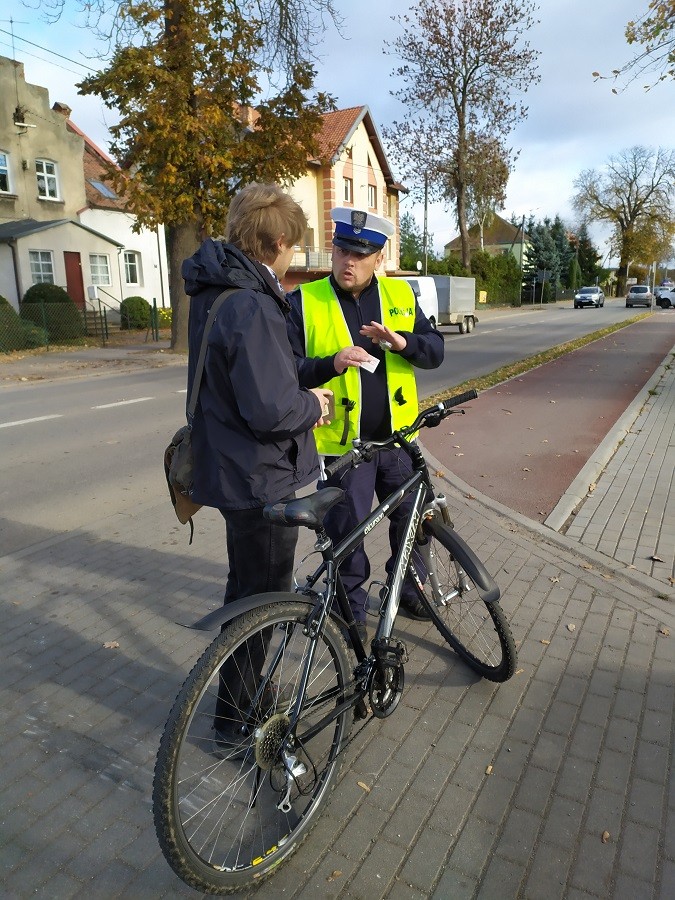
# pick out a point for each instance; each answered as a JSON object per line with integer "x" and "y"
{"x": 59, "y": 221}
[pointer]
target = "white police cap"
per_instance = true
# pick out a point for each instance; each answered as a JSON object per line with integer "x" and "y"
{"x": 360, "y": 231}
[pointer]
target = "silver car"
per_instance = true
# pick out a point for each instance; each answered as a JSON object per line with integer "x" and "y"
{"x": 589, "y": 296}
{"x": 639, "y": 295}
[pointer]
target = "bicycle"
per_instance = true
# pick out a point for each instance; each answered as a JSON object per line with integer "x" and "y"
{"x": 228, "y": 812}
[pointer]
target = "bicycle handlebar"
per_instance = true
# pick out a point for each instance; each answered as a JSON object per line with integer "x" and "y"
{"x": 428, "y": 418}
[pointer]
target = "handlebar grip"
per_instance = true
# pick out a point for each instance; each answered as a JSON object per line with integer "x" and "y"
{"x": 460, "y": 398}
{"x": 348, "y": 461}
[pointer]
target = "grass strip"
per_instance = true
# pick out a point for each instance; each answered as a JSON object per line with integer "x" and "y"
{"x": 512, "y": 370}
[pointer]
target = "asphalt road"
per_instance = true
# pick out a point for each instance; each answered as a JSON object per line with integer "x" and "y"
{"x": 78, "y": 449}
{"x": 506, "y": 336}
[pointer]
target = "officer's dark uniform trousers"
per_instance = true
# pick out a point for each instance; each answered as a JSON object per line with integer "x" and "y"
{"x": 382, "y": 475}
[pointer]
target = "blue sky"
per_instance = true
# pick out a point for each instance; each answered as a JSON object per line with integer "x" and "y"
{"x": 574, "y": 123}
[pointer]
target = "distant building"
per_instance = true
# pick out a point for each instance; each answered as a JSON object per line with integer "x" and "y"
{"x": 499, "y": 237}
{"x": 351, "y": 170}
{"x": 59, "y": 221}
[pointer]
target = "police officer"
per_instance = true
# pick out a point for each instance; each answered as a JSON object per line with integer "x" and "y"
{"x": 339, "y": 328}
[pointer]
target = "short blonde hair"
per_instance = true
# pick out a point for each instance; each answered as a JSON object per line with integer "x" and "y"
{"x": 259, "y": 215}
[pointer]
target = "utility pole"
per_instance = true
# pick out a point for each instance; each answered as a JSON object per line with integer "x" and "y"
{"x": 426, "y": 213}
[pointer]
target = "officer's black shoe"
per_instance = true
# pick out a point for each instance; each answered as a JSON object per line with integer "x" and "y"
{"x": 414, "y": 608}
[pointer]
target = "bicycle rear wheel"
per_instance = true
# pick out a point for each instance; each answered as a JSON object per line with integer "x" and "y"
{"x": 454, "y": 596}
{"x": 228, "y": 806}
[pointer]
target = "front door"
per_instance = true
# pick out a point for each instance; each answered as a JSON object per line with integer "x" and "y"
{"x": 74, "y": 282}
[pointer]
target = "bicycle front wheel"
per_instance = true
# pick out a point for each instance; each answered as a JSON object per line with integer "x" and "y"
{"x": 232, "y": 801}
{"x": 452, "y": 594}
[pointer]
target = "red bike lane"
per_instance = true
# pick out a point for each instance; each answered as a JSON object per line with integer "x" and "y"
{"x": 524, "y": 441}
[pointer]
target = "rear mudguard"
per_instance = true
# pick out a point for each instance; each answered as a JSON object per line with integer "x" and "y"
{"x": 230, "y": 611}
{"x": 467, "y": 559}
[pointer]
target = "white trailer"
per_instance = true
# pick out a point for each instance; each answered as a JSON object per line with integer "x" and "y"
{"x": 446, "y": 299}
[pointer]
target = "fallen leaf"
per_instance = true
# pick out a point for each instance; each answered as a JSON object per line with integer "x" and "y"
{"x": 554, "y": 579}
{"x": 525, "y": 469}
{"x": 656, "y": 558}
{"x": 336, "y": 873}
{"x": 488, "y": 771}
{"x": 607, "y": 576}
{"x": 469, "y": 497}
{"x": 364, "y": 786}
{"x": 586, "y": 566}
{"x": 111, "y": 645}
{"x": 551, "y": 401}
{"x": 507, "y": 411}
{"x": 519, "y": 671}
{"x": 456, "y": 446}
{"x": 546, "y": 642}
{"x": 571, "y": 626}
{"x": 605, "y": 837}
{"x": 459, "y": 454}
{"x": 545, "y": 441}
{"x": 439, "y": 473}
{"x": 670, "y": 579}
{"x": 664, "y": 631}
{"x": 591, "y": 488}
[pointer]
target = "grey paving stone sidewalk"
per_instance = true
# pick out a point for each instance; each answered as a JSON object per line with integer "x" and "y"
{"x": 630, "y": 514}
{"x": 579, "y": 741}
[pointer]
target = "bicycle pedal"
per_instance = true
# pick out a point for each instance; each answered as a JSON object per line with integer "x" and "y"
{"x": 389, "y": 652}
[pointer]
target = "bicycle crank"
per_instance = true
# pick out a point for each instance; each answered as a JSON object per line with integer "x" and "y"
{"x": 387, "y": 678}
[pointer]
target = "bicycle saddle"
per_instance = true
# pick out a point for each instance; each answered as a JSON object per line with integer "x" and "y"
{"x": 307, "y": 511}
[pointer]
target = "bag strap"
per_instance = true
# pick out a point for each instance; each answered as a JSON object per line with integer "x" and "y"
{"x": 199, "y": 370}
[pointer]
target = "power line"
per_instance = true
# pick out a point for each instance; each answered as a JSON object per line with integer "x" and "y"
{"x": 42, "y": 59}
{"x": 46, "y": 50}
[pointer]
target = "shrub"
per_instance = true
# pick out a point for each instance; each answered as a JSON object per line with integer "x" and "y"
{"x": 164, "y": 317}
{"x": 15, "y": 334}
{"x": 135, "y": 313}
{"x": 49, "y": 307}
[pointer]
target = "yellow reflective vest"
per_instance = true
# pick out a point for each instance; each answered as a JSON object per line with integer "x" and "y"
{"x": 326, "y": 333}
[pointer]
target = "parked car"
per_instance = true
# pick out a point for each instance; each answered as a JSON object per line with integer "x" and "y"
{"x": 589, "y": 296}
{"x": 639, "y": 295}
{"x": 666, "y": 299}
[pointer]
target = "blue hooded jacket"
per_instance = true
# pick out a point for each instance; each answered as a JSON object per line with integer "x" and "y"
{"x": 251, "y": 434}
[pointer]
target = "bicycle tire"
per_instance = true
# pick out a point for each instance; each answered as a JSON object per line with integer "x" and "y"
{"x": 476, "y": 629}
{"x": 216, "y": 809}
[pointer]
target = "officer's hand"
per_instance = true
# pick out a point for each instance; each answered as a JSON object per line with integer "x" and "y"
{"x": 379, "y": 333}
{"x": 349, "y": 356}
{"x": 323, "y": 395}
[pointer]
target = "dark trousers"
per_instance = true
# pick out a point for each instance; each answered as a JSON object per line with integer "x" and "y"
{"x": 261, "y": 557}
{"x": 383, "y": 474}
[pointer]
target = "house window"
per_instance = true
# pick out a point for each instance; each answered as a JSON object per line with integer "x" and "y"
{"x": 100, "y": 268}
{"x": 132, "y": 267}
{"x": 41, "y": 266}
{"x": 372, "y": 196}
{"x": 47, "y": 184}
{"x": 348, "y": 192}
{"x": 4, "y": 172}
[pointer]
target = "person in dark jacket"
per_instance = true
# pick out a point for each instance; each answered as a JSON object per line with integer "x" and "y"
{"x": 252, "y": 429}
{"x": 363, "y": 335}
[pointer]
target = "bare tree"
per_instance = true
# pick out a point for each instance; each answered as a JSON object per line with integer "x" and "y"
{"x": 464, "y": 64}
{"x": 634, "y": 194}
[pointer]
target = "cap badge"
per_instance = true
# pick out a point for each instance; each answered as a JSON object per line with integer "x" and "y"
{"x": 358, "y": 220}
